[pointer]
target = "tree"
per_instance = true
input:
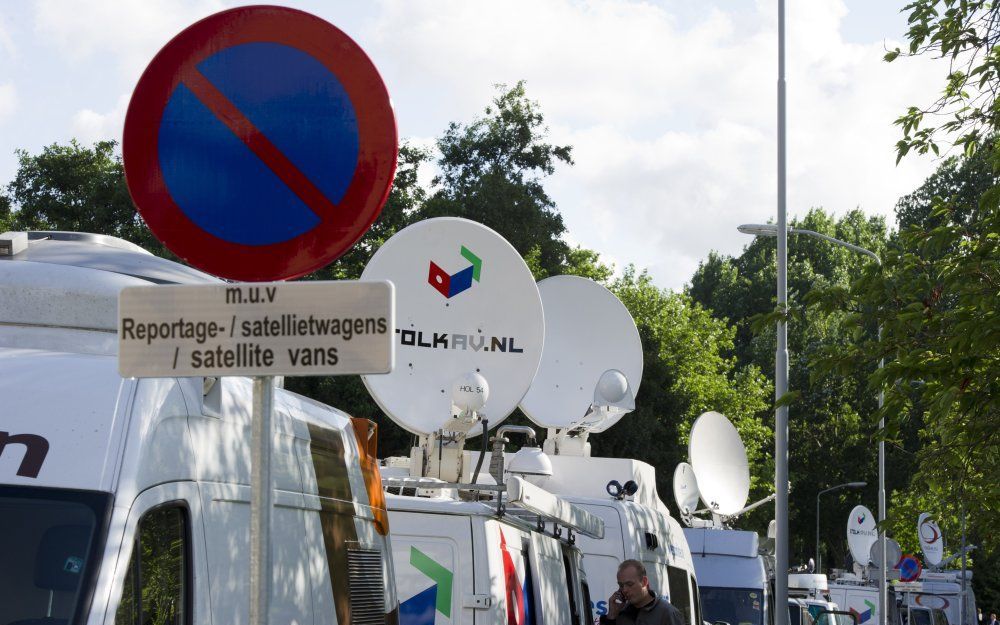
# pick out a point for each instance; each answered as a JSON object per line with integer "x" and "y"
{"x": 492, "y": 171}
{"x": 830, "y": 423}
{"x": 76, "y": 188}
{"x": 687, "y": 371}
{"x": 937, "y": 294}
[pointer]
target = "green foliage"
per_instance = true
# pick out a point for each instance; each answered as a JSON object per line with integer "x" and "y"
{"x": 687, "y": 372}
{"x": 937, "y": 299}
{"x": 830, "y": 416}
{"x": 71, "y": 187}
{"x": 492, "y": 171}
{"x": 965, "y": 33}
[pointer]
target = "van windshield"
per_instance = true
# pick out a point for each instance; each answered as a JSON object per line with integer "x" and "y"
{"x": 736, "y": 606}
{"x": 48, "y": 547}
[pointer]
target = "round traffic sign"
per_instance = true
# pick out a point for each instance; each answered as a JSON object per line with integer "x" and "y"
{"x": 260, "y": 143}
{"x": 909, "y": 568}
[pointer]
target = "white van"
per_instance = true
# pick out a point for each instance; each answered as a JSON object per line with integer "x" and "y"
{"x": 127, "y": 500}
{"x": 733, "y": 577}
{"x": 941, "y": 591}
{"x": 860, "y": 598}
{"x": 471, "y": 554}
{"x": 638, "y": 526}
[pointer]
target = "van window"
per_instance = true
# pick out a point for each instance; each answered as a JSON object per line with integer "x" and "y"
{"x": 920, "y": 617}
{"x": 156, "y": 587}
{"x": 680, "y": 594}
{"x": 697, "y": 600}
{"x": 940, "y": 618}
{"x": 736, "y": 606}
{"x": 49, "y": 545}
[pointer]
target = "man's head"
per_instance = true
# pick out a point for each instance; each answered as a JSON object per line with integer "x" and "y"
{"x": 632, "y": 581}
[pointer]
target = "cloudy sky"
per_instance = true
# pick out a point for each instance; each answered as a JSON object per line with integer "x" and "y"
{"x": 669, "y": 104}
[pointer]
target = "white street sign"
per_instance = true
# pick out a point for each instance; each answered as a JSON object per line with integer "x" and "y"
{"x": 269, "y": 328}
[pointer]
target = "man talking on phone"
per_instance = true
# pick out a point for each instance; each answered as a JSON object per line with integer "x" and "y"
{"x": 635, "y": 603}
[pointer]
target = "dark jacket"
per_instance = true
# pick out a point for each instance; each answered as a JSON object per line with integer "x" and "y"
{"x": 659, "y": 612}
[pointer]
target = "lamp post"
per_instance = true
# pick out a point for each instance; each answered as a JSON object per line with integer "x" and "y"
{"x": 819, "y": 566}
{"x": 772, "y": 230}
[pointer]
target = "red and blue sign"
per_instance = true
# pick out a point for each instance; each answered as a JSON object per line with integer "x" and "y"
{"x": 260, "y": 144}
{"x": 909, "y": 568}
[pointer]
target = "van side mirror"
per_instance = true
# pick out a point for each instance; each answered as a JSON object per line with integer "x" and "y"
{"x": 837, "y": 617}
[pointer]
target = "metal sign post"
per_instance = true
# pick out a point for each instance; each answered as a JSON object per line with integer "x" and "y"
{"x": 260, "y": 498}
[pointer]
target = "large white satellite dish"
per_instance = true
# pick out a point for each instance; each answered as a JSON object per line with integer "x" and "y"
{"x": 592, "y": 358}
{"x": 465, "y": 303}
{"x": 861, "y": 533}
{"x": 686, "y": 491}
{"x": 720, "y": 464}
{"x": 931, "y": 539}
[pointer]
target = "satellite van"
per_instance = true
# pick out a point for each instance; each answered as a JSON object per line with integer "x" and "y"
{"x": 735, "y": 575}
{"x": 471, "y": 543}
{"x": 858, "y": 592}
{"x": 127, "y": 500}
{"x": 590, "y": 371}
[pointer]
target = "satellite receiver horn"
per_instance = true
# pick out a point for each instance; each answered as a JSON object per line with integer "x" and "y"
{"x": 686, "y": 491}
{"x": 591, "y": 364}
{"x": 720, "y": 465}
{"x": 469, "y": 335}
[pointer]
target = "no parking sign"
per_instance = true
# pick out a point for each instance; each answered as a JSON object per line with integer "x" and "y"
{"x": 260, "y": 144}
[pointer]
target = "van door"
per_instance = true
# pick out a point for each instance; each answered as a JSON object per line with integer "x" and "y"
{"x": 552, "y": 594}
{"x": 579, "y": 599}
{"x": 295, "y": 555}
{"x": 433, "y": 562}
{"x": 161, "y": 575}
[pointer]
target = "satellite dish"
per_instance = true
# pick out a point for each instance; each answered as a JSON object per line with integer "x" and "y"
{"x": 720, "y": 463}
{"x": 592, "y": 360}
{"x": 686, "y": 491}
{"x": 931, "y": 539}
{"x": 861, "y": 533}
{"x": 893, "y": 553}
{"x": 465, "y": 304}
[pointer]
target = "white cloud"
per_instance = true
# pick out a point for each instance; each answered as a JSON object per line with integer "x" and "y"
{"x": 124, "y": 34}
{"x": 8, "y": 101}
{"x": 90, "y": 126}
{"x": 673, "y": 124}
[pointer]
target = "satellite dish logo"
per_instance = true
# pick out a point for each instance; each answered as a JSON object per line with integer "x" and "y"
{"x": 861, "y": 518}
{"x": 929, "y": 532}
{"x": 452, "y": 285}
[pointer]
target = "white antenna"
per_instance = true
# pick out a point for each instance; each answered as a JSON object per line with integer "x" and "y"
{"x": 861, "y": 533}
{"x": 720, "y": 464}
{"x": 931, "y": 539}
{"x": 686, "y": 492}
{"x": 469, "y": 336}
{"x": 591, "y": 364}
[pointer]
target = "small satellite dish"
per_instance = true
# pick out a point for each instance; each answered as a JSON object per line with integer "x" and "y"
{"x": 592, "y": 360}
{"x": 931, "y": 539}
{"x": 686, "y": 491}
{"x": 466, "y": 306}
{"x": 720, "y": 463}
{"x": 893, "y": 553}
{"x": 861, "y": 533}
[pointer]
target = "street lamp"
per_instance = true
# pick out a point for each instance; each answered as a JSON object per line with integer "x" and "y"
{"x": 771, "y": 230}
{"x": 819, "y": 566}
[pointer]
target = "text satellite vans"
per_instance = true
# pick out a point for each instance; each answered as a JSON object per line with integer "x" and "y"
{"x": 126, "y": 501}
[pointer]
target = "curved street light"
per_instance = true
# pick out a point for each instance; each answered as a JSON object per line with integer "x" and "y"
{"x": 771, "y": 230}
{"x": 819, "y": 566}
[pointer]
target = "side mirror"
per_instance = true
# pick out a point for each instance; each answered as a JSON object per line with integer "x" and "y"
{"x": 838, "y": 617}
